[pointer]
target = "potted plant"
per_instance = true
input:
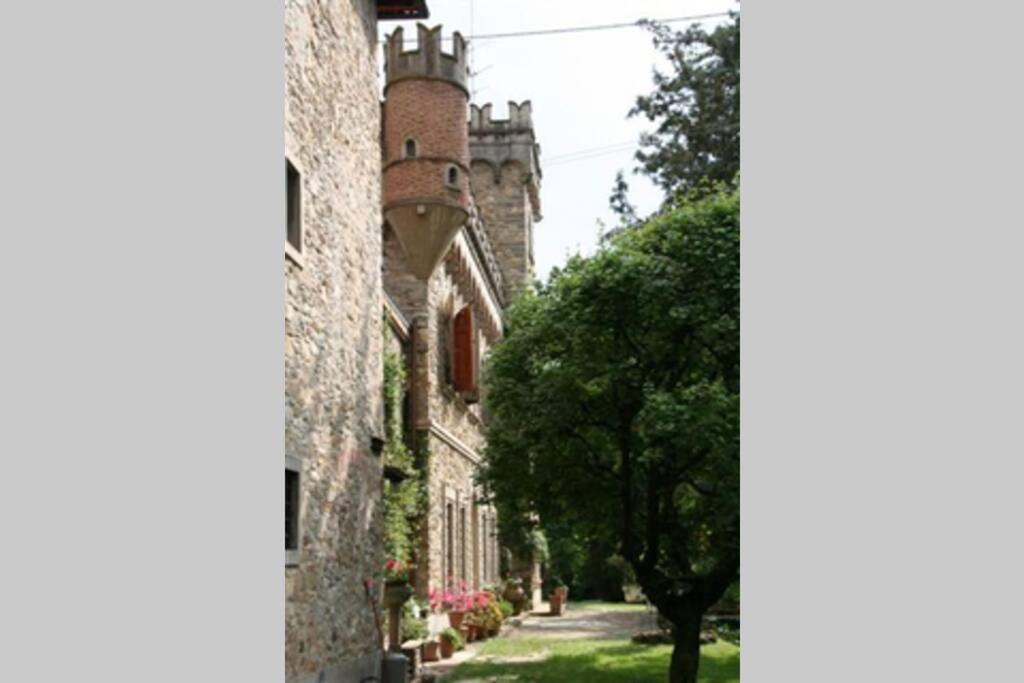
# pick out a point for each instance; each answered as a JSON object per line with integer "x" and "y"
{"x": 514, "y": 590}
{"x": 396, "y": 583}
{"x": 450, "y": 641}
{"x": 558, "y": 598}
{"x": 460, "y": 603}
{"x": 431, "y": 650}
{"x": 495, "y": 617}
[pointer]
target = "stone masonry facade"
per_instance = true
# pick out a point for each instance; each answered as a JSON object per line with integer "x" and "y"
{"x": 405, "y": 212}
{"x": 333, "y": 354}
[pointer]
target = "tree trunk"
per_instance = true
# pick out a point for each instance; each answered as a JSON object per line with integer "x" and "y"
{"x": 686, "y": 648}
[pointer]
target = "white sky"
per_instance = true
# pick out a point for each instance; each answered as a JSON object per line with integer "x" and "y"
{"x": 581, "y": 85}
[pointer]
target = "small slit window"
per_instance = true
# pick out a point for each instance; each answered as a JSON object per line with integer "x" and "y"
{"x": 410, "y": 149}
{"x": 294, "y": 206}
{"x": 453, "y": 175}
{"x": 291, "y": 512}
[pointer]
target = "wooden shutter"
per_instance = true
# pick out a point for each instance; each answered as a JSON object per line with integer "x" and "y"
{"x": 465, "y": 352}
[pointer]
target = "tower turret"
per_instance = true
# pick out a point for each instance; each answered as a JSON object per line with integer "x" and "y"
{"x": 426, "y": 147}
{"x": 506, "y": 185}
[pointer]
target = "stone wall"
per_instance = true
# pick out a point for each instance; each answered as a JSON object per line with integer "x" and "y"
{"x": 505, "y": 180}
{"x": 333, "y": 337}
{"x": 442, "y": 418}
{"x": 501, "y": 195}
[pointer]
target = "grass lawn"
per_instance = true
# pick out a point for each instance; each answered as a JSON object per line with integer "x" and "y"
{"x": 593, "y": 661}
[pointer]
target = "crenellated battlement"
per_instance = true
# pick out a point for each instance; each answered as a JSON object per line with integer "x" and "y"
{"x": 520, "y": 119}
{"x": 428, "y": 61}
{"x": 498, "y": 141}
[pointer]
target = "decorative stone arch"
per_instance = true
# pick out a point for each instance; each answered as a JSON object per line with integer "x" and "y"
{"x": 509, "y": 167}
{"x": 479, "y": 167}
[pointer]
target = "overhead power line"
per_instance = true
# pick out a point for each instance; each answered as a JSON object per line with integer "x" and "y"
{"x": 581, "y": 29}
{"x": 587, "y": 157}
{"x": 604, "y": 150}
{"x": 598, "y": 27}
{"x": 566, "y": 155}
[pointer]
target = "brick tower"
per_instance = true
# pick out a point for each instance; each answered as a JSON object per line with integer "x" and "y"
{"x": 426, "y": 146}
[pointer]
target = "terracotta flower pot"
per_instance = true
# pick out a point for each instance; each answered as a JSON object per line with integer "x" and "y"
{"x": 447, "y": 648}
{"x": 431, "y": 651}
{"x": 455, "y": 618}
{"x": 556, "y": 604}
{"x": 396, "y": 593}
{"x": 514, "y": 594}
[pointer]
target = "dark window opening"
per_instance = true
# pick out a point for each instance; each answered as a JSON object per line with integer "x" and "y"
{"x": 294, "y": 189}
{"x": 446, "y": 350}
{"x": 291, "y": 510}
{"x": 410, "y": 149}
{"x": 450, "y": 541}
{"x": 453, "y": 176}
{"x": 462, "y": 544}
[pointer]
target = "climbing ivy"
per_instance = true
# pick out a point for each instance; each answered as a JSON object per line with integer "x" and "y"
{"x": 403, "y": 501}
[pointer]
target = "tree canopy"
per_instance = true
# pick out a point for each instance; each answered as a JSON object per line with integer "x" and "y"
{"x": 695, "y": 105}
{"x": 614, "y": 403}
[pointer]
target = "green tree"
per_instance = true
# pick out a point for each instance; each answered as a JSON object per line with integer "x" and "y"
{"x": 696, "y": 108}
{"x": 614, "y": 403}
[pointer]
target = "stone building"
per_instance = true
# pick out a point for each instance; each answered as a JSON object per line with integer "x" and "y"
{"x": 459, "y": 207}
{"x": 405, "y": 213}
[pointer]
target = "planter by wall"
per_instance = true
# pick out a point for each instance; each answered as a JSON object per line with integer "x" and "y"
{"x": 431, "y": 651}
{"x": 455, "y": 618}
{"x": 396, "y": 593}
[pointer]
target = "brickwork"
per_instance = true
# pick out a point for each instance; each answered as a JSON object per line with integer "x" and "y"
{"x": 439, "y": 129}
{"x": 425, "y": 180}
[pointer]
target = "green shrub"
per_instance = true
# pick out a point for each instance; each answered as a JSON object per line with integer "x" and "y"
{"x": 454, "y": 637}
{"x": 413, "y": 629}
{"x": 506, "y": 609}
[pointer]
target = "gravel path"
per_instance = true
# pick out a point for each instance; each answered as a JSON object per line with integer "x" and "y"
{"x": 580, "y": 622}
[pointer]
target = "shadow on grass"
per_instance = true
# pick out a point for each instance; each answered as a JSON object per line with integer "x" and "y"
{"x": 603, "y": 662}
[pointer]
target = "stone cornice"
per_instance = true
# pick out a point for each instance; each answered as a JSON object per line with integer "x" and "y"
{"x": 453, "y": 441}
{"x": 468, "y": 273}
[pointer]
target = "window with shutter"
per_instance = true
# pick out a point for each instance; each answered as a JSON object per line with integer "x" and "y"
{"x": 465, "y": 374}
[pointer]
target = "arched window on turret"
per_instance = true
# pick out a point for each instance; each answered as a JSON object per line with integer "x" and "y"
{"x": 453, "y": 176}
{"x": 410, "y": 149}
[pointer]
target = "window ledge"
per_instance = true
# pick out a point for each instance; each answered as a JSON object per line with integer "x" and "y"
{"x": 294, "y": 255}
